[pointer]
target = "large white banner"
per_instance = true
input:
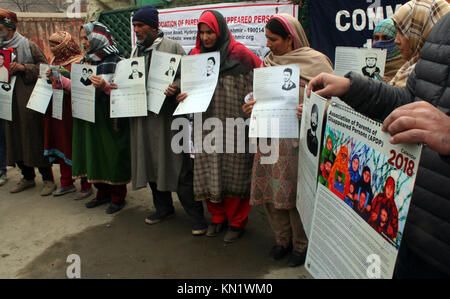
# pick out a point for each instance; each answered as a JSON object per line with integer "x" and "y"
{"x": 246, "y": 20}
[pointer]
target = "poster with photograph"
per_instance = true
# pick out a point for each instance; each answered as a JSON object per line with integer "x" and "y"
{"x": 199, "y": 76}
{"x": 362, "y": 198}
{"x": 58, "y": 93}
{"x": 42, "y": 92}
{"x": 129, "y": 99}
{"x": 367, "y": 62}
{"x": 276, "y": 91}
{"x": 163, "y": 69}
{"x": 308, "y": 156}
{"x": 6, "y": 97}
{"x": 5, "y": 60}
{"x": 83, "y": 91}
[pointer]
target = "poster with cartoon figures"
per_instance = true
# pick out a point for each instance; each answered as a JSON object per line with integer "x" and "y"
{"x": 363, "y": 195}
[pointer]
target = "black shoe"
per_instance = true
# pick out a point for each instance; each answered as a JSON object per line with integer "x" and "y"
{"x": 215, "y": 228}
{"x": 233, "y": 233}
{"x": 97, "y": 202}
{"x": 115, "y": 207}
{"x": 296, "y": 259}
{"x": 158, "y": 217}
{"x": 278, "y": 252}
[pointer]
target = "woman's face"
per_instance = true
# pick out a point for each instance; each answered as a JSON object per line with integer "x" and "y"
{"x": 2, "y": 60}
{"x": 84, "y": 40}
{"x": 355, "y": 164}
{"x": 208, "y": 37}
{"x": 403, "y": 45}
{"x": 329, "y": 144}
{"x": 277, "y": 44}
{"x": 378, "y": 36}
{"x": 366, "y": 176}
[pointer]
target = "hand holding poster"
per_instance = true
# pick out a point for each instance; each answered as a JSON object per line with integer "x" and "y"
{"x": 83, "y": 92}
{"x": 163, "y": 69}
{"x": 129, "y": 99}
{"x": 199, "y": 75}
{"x": 276, "y": 91}
{"x": 362, "y": 201}
{"x": 42, "y": 92}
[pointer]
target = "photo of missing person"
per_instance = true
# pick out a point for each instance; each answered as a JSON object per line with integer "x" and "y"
{"x": 311, "y": 137}
{"x": 171, "y": 71}
{"x": 211, "y": 62}
{"x": 288, "y": 83}
{"x": 5, "y": 59}
{"x": 370, "y": 69}
{"x": 135, "y": 73}
{"x": 86, "y": 76}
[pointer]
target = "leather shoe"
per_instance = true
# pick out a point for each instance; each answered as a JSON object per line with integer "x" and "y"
{"x": 278, "y": 252}
{"x": 296, "y": 259}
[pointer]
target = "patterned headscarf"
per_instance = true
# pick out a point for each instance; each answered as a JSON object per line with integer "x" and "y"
{"x": 67, "y": 51}
{"x": 101, "y": 42}
{"x": 387, "y": 28}
{"x": 235, "y": 58}
{"x": 415, "y": 20}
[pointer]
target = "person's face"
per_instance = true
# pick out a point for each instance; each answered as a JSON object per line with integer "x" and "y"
{"x": 389, "y": 191}
{"x": 209, "y": 66}
{"x": 4, "y": 33}
{"x": 143, "y": 31}
{"x": 286, "y": 76}
{"x": 355, "y": 164}
{"x": 134, "y": 67}
{"x": 314, "y": 119}
{"x": 378, "y": 36}
{"x": 366, "y": 176}
{"x": 329, "y": 144}
{"x": 362, "y": 199}
{"x": 84, "y": 40}
{"x": 89, "y": 73}
{"x": 351, "y": 188}
{"x": 2, "y": 60}
{"x": 277, "y": 44}
{"x": 403, "y": 45}
{"x": 383, "y": 215}
{"x": 340, "y": 179}
{"x": 371, "y": 61}
{"x": 328, "y": 166}
{"x": 208, "y": 37}
{"x": 343, "y": 156}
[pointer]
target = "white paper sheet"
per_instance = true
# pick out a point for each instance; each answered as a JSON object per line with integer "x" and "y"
{"x": 83, "y": 92}
{"x": 6, "y": 95}
{"x": 199, "y": 75}
{"x": 368, "y": 62}
{"x": 276, "y": 91}
{"x": 129, "y": 99}
{"x": 163, "y": 68}
{"x": 58, "y": 94}
{"x": 42, "y": 92}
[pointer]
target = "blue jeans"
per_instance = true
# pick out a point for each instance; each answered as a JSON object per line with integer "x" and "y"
{"x": 2, "y": 146}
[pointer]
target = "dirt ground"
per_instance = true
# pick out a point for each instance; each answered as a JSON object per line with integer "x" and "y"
{"x": 38, "y": 234}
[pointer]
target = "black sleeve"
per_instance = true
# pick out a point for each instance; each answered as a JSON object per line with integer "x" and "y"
{"x": 376, "y": 99}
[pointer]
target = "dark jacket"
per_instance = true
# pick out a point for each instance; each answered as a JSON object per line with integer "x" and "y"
{"x": 427, "y": 230}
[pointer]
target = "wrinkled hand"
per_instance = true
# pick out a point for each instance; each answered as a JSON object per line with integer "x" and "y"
{"x": 328, "y": 85}
{"x": 15, "y": 67}
{"x": 419, "y": 122}
{"x": 247, "y": 108}
{"x": 98, "y": 82}
{"x": 299, "y": 111}
{"x": 181, "y": 97}
{"x": 113, "y": 85}
{"x": 171, "y": 90}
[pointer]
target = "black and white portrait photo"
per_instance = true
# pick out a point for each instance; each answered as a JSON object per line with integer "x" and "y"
{"x": 211, "y": 62}
{"x": 311, "y": 138}
{"x": 288, "y": 83}
{"x": 86, "y": 76}
{"x": 135, "y": 73}
{"x": 171, "y": 71}
{"x": 371, "y": 69}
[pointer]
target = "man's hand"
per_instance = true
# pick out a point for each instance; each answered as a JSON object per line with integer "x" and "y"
{"x": 98, "y": 82}
{"x": 299, "y": 111}
{"x": 181, "y": 97}
{"x": 328, "y": 85}
{"x": 419, "y": 122}
{"x": 15, "y": 67}
{"x": 171, "y": 90}
{"x": 247, "y": 108}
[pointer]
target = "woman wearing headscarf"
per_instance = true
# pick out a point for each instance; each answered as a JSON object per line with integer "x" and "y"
{"x": 365, "y": 185}
{"x": 275, "y": 185}
{"x": 101, "y": 150}
{"x": 384, "y": 36}
{"x": 223, "y": 179}
{"x": 339, "y": 179}
{"x": 354, "y": 169}
{"x": 413, "y": 22}
{"x": 58, "y": 133}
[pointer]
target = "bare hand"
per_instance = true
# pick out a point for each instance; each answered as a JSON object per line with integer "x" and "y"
{"x": 15, "y": 67}
{"x": 247, "y": 108}
{"x": 113, "y": 85}
{"x": 299, "y": 111}
{"x": 98, "y": 82}
{"x": 419, "y": 122}
{"x": 181, "y": 97}
{"x": 328, "y": 85}
{"x": 171, "y": 90}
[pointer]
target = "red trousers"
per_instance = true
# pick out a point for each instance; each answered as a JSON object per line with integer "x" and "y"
{"x": 236, "y": 210}
{"x": 116, "y": 193}
{"x": 66, "y": 176}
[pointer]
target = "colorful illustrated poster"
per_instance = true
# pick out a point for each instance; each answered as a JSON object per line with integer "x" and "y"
{"x": 6, "y": 97}
{"x": 362, "y": 199}
{"x": 308, "y": 157}
{"x": 129, "y": 99}
{"x": 367, "y": 62}
{"x": 276, "y": 91}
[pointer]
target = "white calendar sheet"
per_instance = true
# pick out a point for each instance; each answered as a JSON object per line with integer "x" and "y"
{"x": 367, "y": 62}
{"x": 83, "y": 92}
{"x": 276, "y": 91}
{"x": 58, "y": 94}
{"x": 130, "y": 97}
{"x": 42, "y": 91}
